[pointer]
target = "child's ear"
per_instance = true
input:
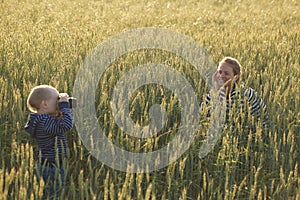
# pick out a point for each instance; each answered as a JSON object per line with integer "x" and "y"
{"x": 43, "y": 104}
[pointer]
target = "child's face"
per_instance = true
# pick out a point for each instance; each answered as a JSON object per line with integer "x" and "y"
{"x": 51, "y": 104}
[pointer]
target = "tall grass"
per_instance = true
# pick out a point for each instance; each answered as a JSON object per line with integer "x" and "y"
{"x": 45, "y": 42}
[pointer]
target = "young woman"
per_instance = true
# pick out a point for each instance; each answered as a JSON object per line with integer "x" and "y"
{"x": 227, "y": 80}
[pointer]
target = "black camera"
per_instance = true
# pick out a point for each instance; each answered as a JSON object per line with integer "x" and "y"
{"x": 73, "y": 102}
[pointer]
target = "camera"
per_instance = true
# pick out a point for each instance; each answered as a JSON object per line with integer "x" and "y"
{"x": 73, "y": 102}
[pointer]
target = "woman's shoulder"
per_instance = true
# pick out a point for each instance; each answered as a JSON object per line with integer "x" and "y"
{"x": 246, "y": 90}
{"x": 249, "y": 93}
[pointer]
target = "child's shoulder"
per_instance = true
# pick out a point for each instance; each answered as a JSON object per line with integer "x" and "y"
{"x": 40, "y": 118}
{"x": 34, "y": 121}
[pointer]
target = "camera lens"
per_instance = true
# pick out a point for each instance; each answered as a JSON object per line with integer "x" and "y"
{"x": 73, "y": 102}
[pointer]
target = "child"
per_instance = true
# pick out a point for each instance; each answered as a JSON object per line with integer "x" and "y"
{"x": 50, "y": 118}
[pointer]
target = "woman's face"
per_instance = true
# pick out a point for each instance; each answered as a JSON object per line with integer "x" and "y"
{"x": 224, "y": 73}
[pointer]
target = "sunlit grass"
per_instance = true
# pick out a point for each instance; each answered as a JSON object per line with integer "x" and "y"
{"x": 46, "y": 43}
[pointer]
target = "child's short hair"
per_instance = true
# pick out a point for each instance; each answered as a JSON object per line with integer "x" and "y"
{"x": 37, "y": 95}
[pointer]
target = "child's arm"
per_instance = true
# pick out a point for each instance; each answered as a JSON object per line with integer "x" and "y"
{"x": 57, "y": 126}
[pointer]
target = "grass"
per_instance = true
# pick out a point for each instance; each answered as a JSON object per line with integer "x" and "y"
{"x": 46, "y": 43}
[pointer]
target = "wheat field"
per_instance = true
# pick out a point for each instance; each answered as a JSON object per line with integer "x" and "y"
{"x": 43, "y": 42}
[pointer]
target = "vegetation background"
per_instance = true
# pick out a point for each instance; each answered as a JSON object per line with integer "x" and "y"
{"x": 45, "y": 42}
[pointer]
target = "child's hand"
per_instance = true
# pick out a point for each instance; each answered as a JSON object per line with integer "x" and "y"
{"x": 63, "y": 97}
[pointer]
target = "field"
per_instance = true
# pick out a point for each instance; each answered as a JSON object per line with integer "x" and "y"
{"x": 43, "y": 42}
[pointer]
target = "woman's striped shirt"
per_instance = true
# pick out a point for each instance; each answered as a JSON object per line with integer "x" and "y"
{"x": 239, "y": 96}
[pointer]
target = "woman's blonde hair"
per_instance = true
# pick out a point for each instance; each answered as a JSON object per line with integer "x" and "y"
{"x": 37, "y": 95}
{"x": 234, "y": 64}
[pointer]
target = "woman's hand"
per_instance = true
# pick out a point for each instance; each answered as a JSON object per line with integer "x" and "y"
{"x": 227, "y": 87}
{"x": 215, "y": 82}
{"x": 229, "y": 84}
